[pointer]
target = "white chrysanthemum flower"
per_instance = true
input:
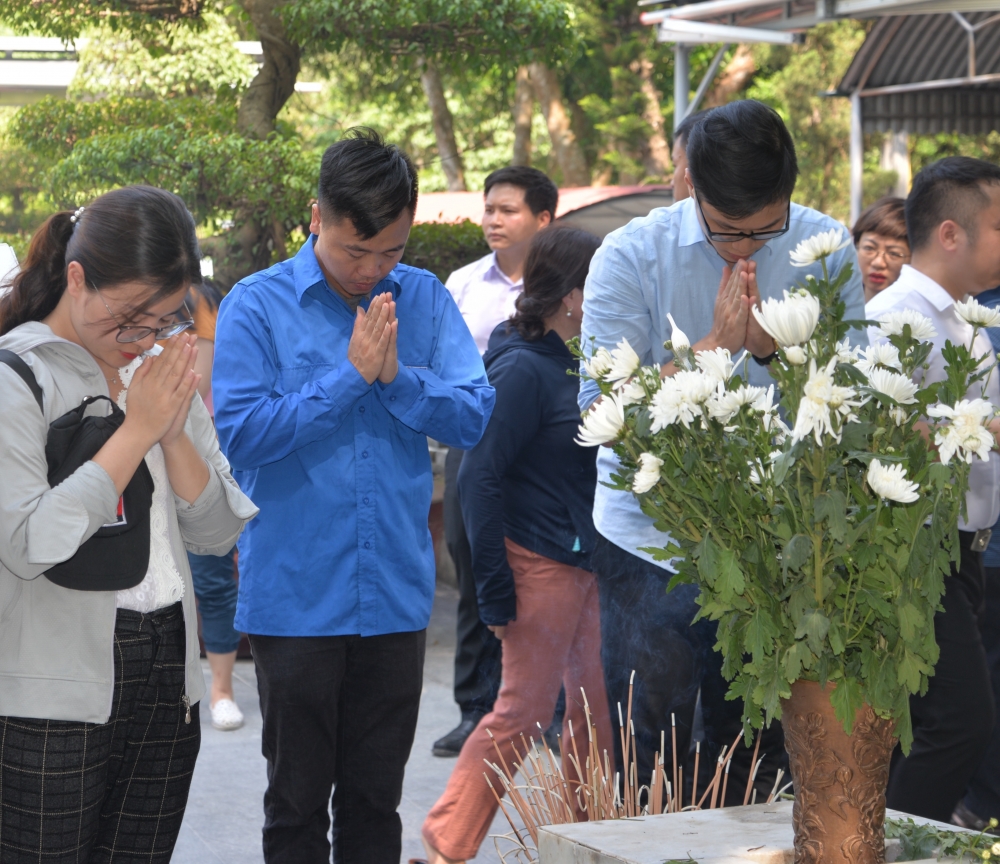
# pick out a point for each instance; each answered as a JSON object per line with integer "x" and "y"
{"x": 603, "y": 423}
{"x": 895, "y": 385}
{"x": 624, "y": 364}
{"x": 810, "y": 250}
{"x": 680, "y": 399}
{"x": 632, "y": 393}
{"x": 678, "y": 338}
{"x": 967, "y": 434}
{"x": 648, "y": 474}
{"x": 822, "y": 403}
{"x": 796, "y": 355}
{"x": 921, "y": 327}
{"x": 598, "y": 364}
{"x": 975, "y": 313}
{"x": 715, "y": 364}
{"x": 882, "y": 354}
{"x": 889, "y": 481}
{"x": 726, "y": 404}
{"x": 790, "y": 321}
{"x": 847, "y": 353}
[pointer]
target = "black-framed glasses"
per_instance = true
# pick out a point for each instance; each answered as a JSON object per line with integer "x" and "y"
{"x": 736, "y": 236}
{"x": 129, "y": 333}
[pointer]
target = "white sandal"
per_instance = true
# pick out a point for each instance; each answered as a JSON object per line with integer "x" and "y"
{"x": 226, "y": 715}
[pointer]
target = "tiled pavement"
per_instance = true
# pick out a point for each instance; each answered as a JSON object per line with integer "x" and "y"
{"x": 224, "y": 813}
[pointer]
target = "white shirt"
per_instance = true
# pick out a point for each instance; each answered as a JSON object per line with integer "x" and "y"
{"x": 485, "y": 296}
{"x": 162, "y": 585}
{"x": 914, "y": 290}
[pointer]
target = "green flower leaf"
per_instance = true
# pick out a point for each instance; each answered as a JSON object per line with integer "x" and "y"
{"x": 813, "y": 626}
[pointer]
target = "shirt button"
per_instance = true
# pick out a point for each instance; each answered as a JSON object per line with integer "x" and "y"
{"x": 365, "y": 500}
{"x": 368, "y": 545}
{"x": 362, "y": 409}
{"x": 364, "y": 454}
{"x": 392, "y": 398}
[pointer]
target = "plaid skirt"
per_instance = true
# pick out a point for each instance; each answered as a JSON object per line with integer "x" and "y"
{"x": 90, "y": 793}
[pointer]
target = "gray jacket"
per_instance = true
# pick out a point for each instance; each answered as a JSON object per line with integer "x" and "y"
{"x": 56, "y": 644}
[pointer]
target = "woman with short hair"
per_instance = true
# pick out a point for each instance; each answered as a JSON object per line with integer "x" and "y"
{"x": 882, "y": 244}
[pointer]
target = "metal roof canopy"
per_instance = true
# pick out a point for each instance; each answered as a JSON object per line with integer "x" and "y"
{"x": 927, "y": 65}
{"x": 924, "y": 73}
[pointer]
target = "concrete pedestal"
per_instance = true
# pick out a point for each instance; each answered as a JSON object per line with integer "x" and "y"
{"x": 760, "y": 834}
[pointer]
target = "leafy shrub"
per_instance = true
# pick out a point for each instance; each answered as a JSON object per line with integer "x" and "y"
{"x": 443, "y": 247}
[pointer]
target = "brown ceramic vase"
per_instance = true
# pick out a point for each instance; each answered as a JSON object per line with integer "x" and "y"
{"x": 840, "y": 779}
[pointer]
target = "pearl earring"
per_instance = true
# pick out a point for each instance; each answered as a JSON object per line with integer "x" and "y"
{"x": 569, "y": 314}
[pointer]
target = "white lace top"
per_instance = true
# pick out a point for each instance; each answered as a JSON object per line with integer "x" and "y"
{"x": 162, "y": 585}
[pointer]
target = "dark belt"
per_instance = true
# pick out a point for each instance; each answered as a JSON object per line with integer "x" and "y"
{"x": 975, "y": 541}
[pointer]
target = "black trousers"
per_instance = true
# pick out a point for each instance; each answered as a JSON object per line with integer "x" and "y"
{"x": 477, "y": 650}
{"x": 97, "y": 793}
{"x": 339, "y": 715}
{"x": 983, "y": 794}
{"x": 953, "y": 722}
{"x": 643, "y": 628}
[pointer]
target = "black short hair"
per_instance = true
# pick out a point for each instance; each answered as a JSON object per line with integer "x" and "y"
{"x": 742, "y": 158}
{"x": 885, "y": 217}
{"x": 683, "y": 132}
{"x": 951, "y": 188}
{"x": 367, "y": 181}
{"x": 540, "y": 193}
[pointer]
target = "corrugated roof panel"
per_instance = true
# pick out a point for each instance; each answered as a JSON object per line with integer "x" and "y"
{"x": 914, "y": 49}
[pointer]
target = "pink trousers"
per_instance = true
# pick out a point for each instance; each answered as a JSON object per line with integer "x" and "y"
{"x": 556, "y": 639}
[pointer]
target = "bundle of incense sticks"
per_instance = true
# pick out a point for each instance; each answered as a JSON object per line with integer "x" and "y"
{"x": 539, "y": 793}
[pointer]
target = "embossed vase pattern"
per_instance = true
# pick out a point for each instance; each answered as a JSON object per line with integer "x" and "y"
{"x": 840, "y": 779}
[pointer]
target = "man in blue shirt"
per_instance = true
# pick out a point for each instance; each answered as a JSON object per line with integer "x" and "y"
{"x": 735, "y": 231}
{"x": 331, "y": 369}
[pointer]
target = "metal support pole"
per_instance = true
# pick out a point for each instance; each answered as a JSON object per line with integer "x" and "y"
{"x": 857, "y": 156}
{"x": 682, "y": 82}
{"x": 706, "y": 82}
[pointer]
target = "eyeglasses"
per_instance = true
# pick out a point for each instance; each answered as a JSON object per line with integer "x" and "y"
{"x": 892, "y": 255}
{"x": 127, "y": 333}
{"x": 736, "y": 236}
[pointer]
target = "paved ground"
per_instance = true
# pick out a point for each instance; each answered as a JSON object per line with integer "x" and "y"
{"x": 224, "y": 813}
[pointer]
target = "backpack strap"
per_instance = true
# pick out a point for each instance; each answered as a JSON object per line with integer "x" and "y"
{"x": 15, "y": 362}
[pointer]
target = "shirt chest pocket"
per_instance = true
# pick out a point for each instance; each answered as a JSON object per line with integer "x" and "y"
{"x": 291, "y": 379}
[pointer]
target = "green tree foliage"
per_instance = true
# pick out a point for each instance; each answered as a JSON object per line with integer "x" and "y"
{"x": 174, "y": 61}
{"x": 465, "y": 35}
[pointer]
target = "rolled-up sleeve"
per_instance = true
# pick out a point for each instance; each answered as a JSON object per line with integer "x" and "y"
{"x": 451, "y": 400}
{"x": 212, "y": 523}
{"x": 257, "y": 425}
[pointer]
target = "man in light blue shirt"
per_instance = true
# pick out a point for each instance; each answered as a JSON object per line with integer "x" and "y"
{"x": 324, "y": 399}
{"x": 735, "y": 232}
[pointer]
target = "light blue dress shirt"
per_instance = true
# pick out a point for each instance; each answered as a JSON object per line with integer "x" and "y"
{"x": 662, "y": 264}
{"x": 339, "y": 467}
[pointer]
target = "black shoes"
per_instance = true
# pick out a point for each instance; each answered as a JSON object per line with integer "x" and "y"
{"x": 451, "y": 744}
{"x": 965, "y": 818}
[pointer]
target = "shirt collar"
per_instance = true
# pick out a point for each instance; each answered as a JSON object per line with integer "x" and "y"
{"x": 493, "y": 271}
{"x": 913, "y": 279}
{"x": 690, "y": 230}
{"x": 306, "y": 273}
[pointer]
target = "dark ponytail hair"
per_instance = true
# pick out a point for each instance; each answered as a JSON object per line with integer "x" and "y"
{"x": 558, "y": 261}
{"x": 134, "y": 234}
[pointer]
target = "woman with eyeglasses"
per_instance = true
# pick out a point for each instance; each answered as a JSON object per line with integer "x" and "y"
{"x": 882, "y": 245}
{"x": 100, "y": 676}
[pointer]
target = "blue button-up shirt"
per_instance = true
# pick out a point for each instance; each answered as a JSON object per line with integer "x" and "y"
{"x": 663, "y": 264}
{"x": 339, "y": 468}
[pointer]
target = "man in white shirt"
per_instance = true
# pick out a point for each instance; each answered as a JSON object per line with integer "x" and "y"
{"x": 953, "y": 222}
{"x": 519, "y": 202}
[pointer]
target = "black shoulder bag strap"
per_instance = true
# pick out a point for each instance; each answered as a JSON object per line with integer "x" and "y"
{"x": 15, "y": 362}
